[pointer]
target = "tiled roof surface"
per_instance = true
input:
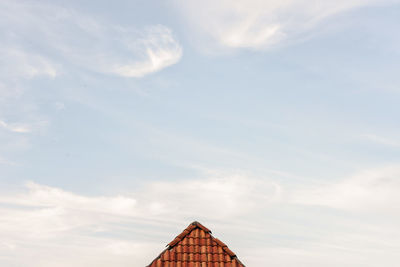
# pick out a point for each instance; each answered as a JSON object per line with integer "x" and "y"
{"x": 196, "y": 247}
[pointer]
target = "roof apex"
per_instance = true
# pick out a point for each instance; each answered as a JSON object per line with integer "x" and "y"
{"x": 205, "y": 229}
{"x": 187, "y": 231}
{"x": 196, "y": 245}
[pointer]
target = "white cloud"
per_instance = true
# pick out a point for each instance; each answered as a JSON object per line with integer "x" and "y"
{"x": 161, "y": 51}
{"x": 43, "y": 225}
{"x": 237, "y": 193}
{"x": 42, "y": 219}
{"x": 370, "y": 190}
{"x": 260, "y": 24}
{"x": 46, "y": 219}
{"x": 49, "y": 198}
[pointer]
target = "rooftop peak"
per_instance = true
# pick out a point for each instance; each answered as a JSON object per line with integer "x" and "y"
{"x": 196, "y": 245}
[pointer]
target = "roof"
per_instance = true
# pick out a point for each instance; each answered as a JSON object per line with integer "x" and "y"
{"x": 196, "y": 247}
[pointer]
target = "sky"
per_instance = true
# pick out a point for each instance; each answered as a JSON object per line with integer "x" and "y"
{"x": 273, "y": 123}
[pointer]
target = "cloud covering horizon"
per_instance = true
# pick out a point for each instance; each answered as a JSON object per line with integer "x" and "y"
{"x": 41, "y": 217}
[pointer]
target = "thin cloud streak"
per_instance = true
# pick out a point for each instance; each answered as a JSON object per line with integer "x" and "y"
{"x": 140, "y": 51}
{"x": 382, "y": 140}
{"x": 374, "y": 190}
{"x": 17, "y": 128}
{"x": 261, "y": 25}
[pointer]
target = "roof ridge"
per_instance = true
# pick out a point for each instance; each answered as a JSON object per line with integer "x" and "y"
{"x": 205, "y": 229}
{"x": 224, "y": 247}
{"x": 187, "y": 231}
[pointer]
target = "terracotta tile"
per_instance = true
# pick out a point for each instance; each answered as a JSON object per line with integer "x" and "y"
{"x": 196, "y": 247}
{"x": 202, "y": 234}
{"x": 203, "y": 257}
{"x": 215, "y": 258}
{"x": 215, "y": 250}
{"x": 197, "y": 257}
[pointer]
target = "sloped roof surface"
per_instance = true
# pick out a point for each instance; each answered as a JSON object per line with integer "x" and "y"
{"x": 196, "y": 247}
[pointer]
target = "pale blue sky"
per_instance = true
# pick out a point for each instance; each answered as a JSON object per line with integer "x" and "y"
{"x": 274, "y": 123}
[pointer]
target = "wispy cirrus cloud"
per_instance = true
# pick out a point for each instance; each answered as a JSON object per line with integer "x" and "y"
{"x": 382, "y": 140}
{"x": 21, "y": 64}
{"x": 6, "y": 161}
{"x": 72, "y": 39}
{"x": 160, "y": 50}
{"x": 258, "y": 24}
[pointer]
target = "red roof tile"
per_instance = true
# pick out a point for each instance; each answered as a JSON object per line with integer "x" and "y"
{"x": 196, "y": 247}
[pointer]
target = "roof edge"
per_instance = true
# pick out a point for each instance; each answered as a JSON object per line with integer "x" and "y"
{"x": 187, "y": 231}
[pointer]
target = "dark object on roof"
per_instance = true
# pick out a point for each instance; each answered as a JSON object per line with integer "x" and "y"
{"x": 196, "y": 247}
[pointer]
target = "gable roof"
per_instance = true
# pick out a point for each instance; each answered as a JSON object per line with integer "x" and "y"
{"x": 196, "y": 247}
